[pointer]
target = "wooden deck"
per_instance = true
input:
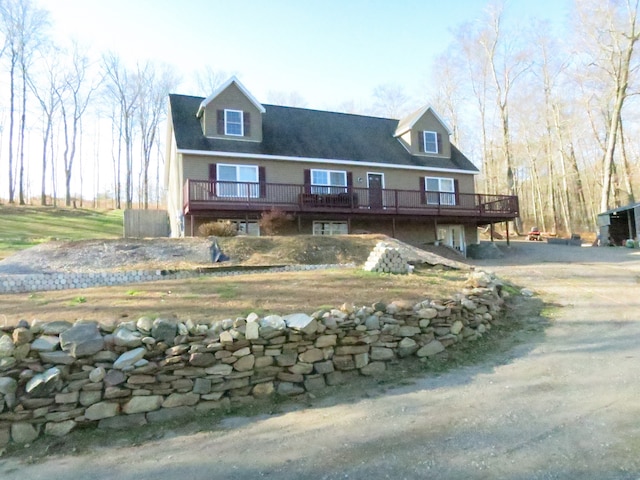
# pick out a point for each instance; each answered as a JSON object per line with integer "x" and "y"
{"x": 202, "y": 197}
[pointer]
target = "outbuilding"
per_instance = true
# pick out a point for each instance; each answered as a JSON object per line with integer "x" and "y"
{"x": 618, "y": 225}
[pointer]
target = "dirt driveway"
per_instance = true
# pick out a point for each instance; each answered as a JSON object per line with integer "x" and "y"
{"x": 565, "y": 404}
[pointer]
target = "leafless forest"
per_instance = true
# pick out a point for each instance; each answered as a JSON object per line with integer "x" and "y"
{"x": 547, "y": 111}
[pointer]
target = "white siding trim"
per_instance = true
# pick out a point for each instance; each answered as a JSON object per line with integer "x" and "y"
{"x": 254, "y": 156}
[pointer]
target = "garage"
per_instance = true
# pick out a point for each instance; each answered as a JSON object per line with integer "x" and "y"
{"x": 618, "y": 225}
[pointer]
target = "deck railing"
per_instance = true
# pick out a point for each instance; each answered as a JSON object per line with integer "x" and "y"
{"x": 202, "y": 195}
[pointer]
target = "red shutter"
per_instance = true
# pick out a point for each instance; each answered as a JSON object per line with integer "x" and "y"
{"x": 307, "y": 181}
{"x": 456, "y": 191}
{"x": 220, "y": 122}
{"x": 438, "y": 143}
{"x": 421, "y": 142}
{"x": 262, "y": 178}
{"x": 246, "y": 120}
{"x": 213, "y": 176}
{"x": 423, "y": 193}
{"x": 349, "y": 179}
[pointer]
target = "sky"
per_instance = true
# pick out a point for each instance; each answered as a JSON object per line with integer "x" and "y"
{"x": 327, "y": 51}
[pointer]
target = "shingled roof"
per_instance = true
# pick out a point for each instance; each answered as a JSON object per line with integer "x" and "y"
{"x": 299, "y": 132}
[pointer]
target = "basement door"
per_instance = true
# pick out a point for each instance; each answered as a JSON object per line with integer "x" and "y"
{"x": 452, "y": 236}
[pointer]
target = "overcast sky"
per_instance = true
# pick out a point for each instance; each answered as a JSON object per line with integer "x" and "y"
{"x": 328, "y": 51}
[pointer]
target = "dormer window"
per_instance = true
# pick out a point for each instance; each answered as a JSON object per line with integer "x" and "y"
{"x": 233, "y": 123}
{"x": 431, "y": 144}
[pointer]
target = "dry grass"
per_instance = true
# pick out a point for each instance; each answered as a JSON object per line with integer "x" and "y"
{"x": 206, "y": 299}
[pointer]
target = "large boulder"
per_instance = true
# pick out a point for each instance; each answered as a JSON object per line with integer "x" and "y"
{"x": 164, "y": 330}
{"x": 82, "y": 340}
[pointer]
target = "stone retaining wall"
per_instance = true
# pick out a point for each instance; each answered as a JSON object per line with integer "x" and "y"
{"x": 64, "y": 281}
{"x": 57, "y": 376}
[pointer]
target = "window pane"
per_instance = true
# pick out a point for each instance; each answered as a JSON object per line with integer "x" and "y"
{"x": 319, "y": 177}
{"x": 247, "y": 174}
{"x": 338, "y": 178}
{"x": 430, "y": 142}
{"x": 433, "y": 185}
{"x": 233, "y": 122}
{"x": 446, "y": 185}
{"x": 227, "y": 172}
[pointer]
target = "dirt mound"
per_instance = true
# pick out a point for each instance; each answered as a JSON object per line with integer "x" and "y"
{"x": 166, "y": 253}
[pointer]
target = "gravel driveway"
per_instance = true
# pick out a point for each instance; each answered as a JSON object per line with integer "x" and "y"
{"x": 566, "y": 405}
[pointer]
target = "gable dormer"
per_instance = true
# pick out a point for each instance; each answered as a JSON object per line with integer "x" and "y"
{"x": 424, "y": 133}
{"x": 232, "y": 113}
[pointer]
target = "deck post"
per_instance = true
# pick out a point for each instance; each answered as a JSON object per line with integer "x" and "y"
{"x": 349, "y": 225}
{"x": 393, "y": 227}
{"x": 491, "y": 231}
{"x": 299, "y": 224}
{"x": 507, "y": 225}
{"x": 191, "y": 226}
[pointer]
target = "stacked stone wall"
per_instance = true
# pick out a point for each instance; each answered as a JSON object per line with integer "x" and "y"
{"x": 55, "y": 377}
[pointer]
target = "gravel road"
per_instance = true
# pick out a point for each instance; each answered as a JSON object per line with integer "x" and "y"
{"x": 564, "y": 405}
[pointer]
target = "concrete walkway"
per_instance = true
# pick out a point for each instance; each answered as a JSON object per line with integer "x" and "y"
{"x": 564, "y": 405}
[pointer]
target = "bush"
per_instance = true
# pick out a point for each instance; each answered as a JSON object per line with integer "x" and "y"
{"x": 218, "y": 229}
{"x": 272, "y": 221}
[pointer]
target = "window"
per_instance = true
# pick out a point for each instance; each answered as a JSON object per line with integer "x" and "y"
{"x": 440, "y": 191}
{"x": 330, "y": 228}
{"x": 430, "y": 142}
{"x": 328, "y": 181}
{"x": 244, "y": 227}
{"x": 237, "y": 181}
{"x": 233, "y": 123}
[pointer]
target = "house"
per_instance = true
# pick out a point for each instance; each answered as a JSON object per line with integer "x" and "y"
{"x": 229, "y": 157}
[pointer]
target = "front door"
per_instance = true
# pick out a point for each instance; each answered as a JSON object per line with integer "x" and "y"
{"x": 374, "y": 180}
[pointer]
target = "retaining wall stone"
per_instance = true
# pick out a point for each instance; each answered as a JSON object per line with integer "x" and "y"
{"x": 190, "y": 369}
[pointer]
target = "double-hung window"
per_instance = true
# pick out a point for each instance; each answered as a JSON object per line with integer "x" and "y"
{"x": 440, "y": 191}
{"x": 328, "y": 181}
{"x": 233, "y": 123}
{"x": 430, "y": 140}
{"x": 238, "y": 181}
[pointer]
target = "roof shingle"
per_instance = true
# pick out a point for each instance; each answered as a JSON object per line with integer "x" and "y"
{"x": 299, "y": 132}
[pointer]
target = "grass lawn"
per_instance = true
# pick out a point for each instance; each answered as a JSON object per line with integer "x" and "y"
{"x": 24, "y": 227}
{"x": 206, "y": 299}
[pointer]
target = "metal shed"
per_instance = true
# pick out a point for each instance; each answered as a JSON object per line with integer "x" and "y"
{"x": 619, "y": 224}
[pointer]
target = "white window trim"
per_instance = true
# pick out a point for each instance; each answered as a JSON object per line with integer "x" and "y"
{"x": 329, "y": 184}
{"x": 424, "y": 141}
{"x": 330, "y": 223}
{"x": 445, "y": 197}
{"x": 254, "y": 191}
{"x": 226, "y": 123}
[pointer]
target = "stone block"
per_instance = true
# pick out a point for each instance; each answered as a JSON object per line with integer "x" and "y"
{"x": 82, "y": 340}
{"x": 374, "y": 369}
{"x": 430, "y": 349}
{"x": 181, "y": 400}
{"x": 22, "y": 432}
{"x": 141, "y": 404}
{"x": 59, "y": 429}
{"x": 102, "y": 410}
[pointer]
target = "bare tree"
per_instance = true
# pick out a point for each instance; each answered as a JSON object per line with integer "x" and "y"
{"x": 23, "y": 26}
{"x": 208, "y": 79}
{"x": 610, "y": 32}
{"x": 155, "y": 85}
{"x": 45, "y": 92}
{"x": 391, "y": 101}
{"x": 123, "y": 89}
{"x": 507, "y": 62}
{"x": 75, "y": 95}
